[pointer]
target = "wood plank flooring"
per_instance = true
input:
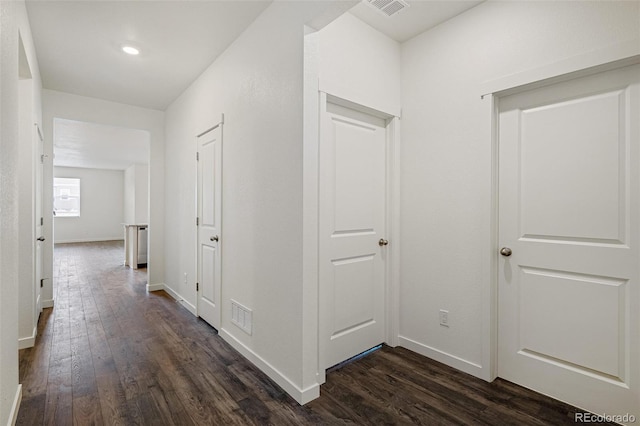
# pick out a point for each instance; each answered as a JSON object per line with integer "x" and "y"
{"x": 111, "y": 353}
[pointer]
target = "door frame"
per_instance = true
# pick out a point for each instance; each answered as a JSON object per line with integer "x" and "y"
{"x": 616, "y": 56}
{"x": 311, "y": 238}
{"x": 218, "y": 294}
{"x": 39, "y": 177}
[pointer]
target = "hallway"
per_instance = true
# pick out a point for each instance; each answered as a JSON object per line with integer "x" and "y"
{"x": 110, "y": 353}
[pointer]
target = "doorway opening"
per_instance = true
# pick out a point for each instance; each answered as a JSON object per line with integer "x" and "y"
{"x": 100, "y": 193}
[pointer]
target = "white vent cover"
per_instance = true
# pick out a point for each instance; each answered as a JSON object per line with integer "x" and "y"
{"x": 388, "y": 7}
{"x": 241, "y": 316}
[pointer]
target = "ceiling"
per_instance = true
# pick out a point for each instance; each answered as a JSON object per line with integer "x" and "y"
{"x": 420, "y": 16}
{"x": 98, "y": 146}
{"x": 78, "y": 45}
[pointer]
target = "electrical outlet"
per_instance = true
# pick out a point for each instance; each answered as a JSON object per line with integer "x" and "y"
{"x": 444, "y": 318}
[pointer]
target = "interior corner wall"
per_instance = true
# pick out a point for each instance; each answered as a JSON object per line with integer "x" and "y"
{"x": 13, "y": 19}
{"x": 74, "y": 107}
{"x": 257, "y": 83}
{"x": 447, "y": 156}
{"x": 101, "y": 206}
{"x": 360, "y": 64}
{"x": 353, "y": 61}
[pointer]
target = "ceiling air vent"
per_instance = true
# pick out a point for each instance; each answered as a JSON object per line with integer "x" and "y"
{"x": 388, "y": 7}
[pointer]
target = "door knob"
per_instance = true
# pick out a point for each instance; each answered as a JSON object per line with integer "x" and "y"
{"x": 383, "y": 242}
{"x": 40, "y": 238}
{"x": 505, "y": 251}
{"x": 214, "y": 238}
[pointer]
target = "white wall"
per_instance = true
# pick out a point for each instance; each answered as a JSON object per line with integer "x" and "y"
{"x": 74, "y": 107}
{"x": 257, "y": 84}
{"x": 13, "y": 18}
{"x": 447, "y": 160}
{"x": 130, "y": 194}
{"x": 142, "y": 194}
{"x": 101, "y": 206}
{"x": 359, "y": 63}
{"x": 136, "y": 194}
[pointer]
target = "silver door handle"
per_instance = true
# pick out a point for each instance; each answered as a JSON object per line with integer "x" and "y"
{"x": 214, "y": 238}
{"x": 505, "y": 251}
{"x": 383, "y": 242}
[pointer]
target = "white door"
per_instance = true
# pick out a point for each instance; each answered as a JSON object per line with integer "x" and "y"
{"x": 352, "y": 222}
{"x": 209, "y": 159}
{"x": 569, "y": 302}
{"x": 39, "y": 163}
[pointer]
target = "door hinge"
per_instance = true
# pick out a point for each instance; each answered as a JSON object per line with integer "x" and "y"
{"x": 42, "y": 283}
{"x": 197, "y": 286}
{"x": 197, "y": 156}
{"x": 41, "y": 221}
{"x": 197, "y": 221}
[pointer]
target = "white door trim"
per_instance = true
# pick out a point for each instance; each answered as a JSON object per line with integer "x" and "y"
{"x": 615, "y": 56}
{"x": 624, "y": 54}
{"x": 197, "y": 239}
{"x": 311, "y": 217}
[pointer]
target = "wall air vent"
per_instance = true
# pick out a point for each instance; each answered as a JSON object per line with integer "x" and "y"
{"x": 388, "y": 7}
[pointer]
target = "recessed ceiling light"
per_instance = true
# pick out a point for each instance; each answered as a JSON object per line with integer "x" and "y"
{"x": 130, "y": 50}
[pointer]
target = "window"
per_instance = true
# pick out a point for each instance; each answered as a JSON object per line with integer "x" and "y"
{"x": 66, "y": 197}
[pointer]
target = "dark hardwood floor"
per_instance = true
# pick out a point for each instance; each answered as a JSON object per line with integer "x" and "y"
{"x": 110, "y": 353}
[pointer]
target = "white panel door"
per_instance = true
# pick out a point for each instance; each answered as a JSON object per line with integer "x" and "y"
{"x": 352, "y": 223}
{"x": 209, "y": 221}
{"x": 569, "y": 299}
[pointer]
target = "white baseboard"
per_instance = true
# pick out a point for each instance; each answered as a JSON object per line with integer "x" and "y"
{"x": 443, "y": 357}
{"x": 155, "y": 287}
{"x": 15, "y": 407}
{"x": 89, "y": 240}
{"x": 191, "y": 308}
{"x": 302, "y": 396}
{"x": 171, "y": 292}
{"x": 47, "y": 303}
{"x": 30, "y": 341}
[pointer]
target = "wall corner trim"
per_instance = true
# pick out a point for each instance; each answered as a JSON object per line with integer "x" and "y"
{"x": 155, "y": 287}
{"x": 302, "y": 396}
{"x": 30, "y": 341}
{"x": 191, "y": 308}
{"x": 15, "y": 407}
